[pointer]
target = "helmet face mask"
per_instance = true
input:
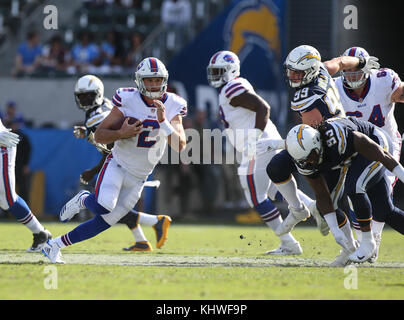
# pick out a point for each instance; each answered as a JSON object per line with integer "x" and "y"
{"x": 223, "y": 67}
{"x": 303, "y": 59}
{"x": 354, "y": 79}
{"x": 151, "y": 68}
{"x": 304, "y": 145}
{"x": 89, "y": 92}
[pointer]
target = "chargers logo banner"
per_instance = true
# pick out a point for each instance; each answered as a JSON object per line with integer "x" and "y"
{"x": 255, "y": 31}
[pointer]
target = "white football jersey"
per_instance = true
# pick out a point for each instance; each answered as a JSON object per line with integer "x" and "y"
{"x": 2, "y": 127}
{"x": 140, "y": 154}
{"x": 374, "y": 105}
{"x": 239, "y": 119}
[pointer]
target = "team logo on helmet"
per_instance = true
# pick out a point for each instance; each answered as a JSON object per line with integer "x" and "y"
{"x": 300, "y": 137}
{"x": 229, "y": 58}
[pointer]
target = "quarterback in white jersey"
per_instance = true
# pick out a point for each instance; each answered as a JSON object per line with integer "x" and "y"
{"x": 245, "y": 116}
{"x": 137, "y": 149}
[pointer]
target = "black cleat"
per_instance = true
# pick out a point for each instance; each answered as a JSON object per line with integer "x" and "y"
{"x": 39, "y": 240}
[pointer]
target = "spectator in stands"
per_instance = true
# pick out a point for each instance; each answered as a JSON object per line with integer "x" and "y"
{"x": 176, "y": 16}
{"x": 55, "y": 56}
{"x": 111, "y": 53}
{"x": 85, "y": 55}
{"x": 28, "y": 55}
{"x": 133, "y": 57}
{"x": 176, "y": 13}
{"x": 11, "y": 115}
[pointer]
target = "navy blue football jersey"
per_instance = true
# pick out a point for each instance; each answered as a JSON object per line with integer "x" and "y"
{"x": 338, "y": 143}
{"x": 322, "y": 94}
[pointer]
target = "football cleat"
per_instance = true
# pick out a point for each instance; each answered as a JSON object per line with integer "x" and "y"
{"x": 293, "y": 218}
{"x": 378, "y": 240}
{"x": 320, "y": 221}
{"x": 287, "y": 249}
{"x": 52, "y": 252}
{"x": 161, "y": 229}
{"x": 365, "y": 251}
{"x": 140, "y": 246}
{"x": 39, "y": 240}
{"x": 72, "y": 207}
{"x": 343, "y": 259}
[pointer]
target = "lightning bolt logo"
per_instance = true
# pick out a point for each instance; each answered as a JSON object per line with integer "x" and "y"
{"x": 300, "y": 136}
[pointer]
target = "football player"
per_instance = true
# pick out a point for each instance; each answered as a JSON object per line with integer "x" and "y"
{"x": 242, "y": 110}
{"x": 372, "y": 97}
{"x": 363, "y": 151}
{"x": 9, "y": 199}
{"x": 89, "y": 97}
{"x": 316, "y": 98}
{"x": 137, "y": 149}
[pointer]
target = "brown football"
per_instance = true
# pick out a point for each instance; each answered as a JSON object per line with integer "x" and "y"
{"x": 118, "y": 124}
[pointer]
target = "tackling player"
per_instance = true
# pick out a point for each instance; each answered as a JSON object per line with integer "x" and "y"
{"x": 9, "y": 200}
{"x": 316, "y": 99}
{"x": 363, "y": 151}
{"x": 137, "y": 149}
{"x": 89, "y": 97}
{"x": 243, "y": 111}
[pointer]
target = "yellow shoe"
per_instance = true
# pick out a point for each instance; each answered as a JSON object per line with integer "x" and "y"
{"x": 251, "y": 217}
{"x": 161, "y": 229}
{"x": 140, "y": 246}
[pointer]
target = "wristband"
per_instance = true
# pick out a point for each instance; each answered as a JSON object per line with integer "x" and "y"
{"x": 166, "y": 128}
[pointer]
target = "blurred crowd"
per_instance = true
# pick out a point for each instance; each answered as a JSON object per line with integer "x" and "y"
{"x": 110, "y": 53}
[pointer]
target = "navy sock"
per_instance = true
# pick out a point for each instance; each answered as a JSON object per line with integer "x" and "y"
{"x": 91, "y": 204}
{"x": 267, "y": 210}
{"x": 19, "y": 209}
{"x": 86, "y": 230}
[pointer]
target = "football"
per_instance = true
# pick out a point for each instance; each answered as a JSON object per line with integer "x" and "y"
{"x": 118, "y": 125}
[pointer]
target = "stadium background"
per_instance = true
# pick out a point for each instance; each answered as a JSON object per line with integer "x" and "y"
{"x": 260, "y": 32}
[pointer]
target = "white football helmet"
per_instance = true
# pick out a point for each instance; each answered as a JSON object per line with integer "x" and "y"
{"x": 304, "y": 145}
{"x": 303, "y": 58}
{"x": 151, "y": 68}
{"x": 355, "y": 79}
{"x": 223, "y": 67}
{"x": 89, "y": 92}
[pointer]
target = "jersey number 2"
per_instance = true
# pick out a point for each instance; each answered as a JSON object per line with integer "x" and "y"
{"x": 143, "y": 140}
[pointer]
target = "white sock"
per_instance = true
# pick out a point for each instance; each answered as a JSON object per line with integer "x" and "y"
{"x": 34, "y": 225}
{"x": 331, "y": 219}
{"x": 305, "y": 198}
{"x": 273, "y": 224}
{"x": 367, "y": 236}
{"x": 377, "y": 227}
{"x": 138, "y": 234}
{"x": 358, "y": 234}
{"x": 346, "y": 229}
{"x": 59, "y": 242}
{"x": 147, "y": 219}
{"x": 289, "y": 191}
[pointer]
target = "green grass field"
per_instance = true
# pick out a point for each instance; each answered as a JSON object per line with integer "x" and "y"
{"x": 213, "y": 262}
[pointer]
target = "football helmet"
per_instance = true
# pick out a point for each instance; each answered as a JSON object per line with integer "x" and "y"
{"x": 304, "y": 145}
{"x": 354, "y": 79}
{"x": 304, "y": 59}
{"x": 89, "y": 92}
{"x": 223, "y": 67}
{"x": 151, "y": 68}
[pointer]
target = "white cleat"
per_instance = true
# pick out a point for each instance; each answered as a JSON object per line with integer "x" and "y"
{"x": 378, "y": 240}
{"x": 320, "y": 221}
{"x": 286, "y": 249}
{"x": 72, "y": 207}
{"x": 364, "y": 252}
{"x": 52, "y": 252}
{"x": 343, "y": 259}
{"x": 293, "y": 218}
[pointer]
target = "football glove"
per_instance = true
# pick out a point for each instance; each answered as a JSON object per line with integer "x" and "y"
{"x": 9, "y": 139}
{"x": 80, "y": 131}
{"x": 265, "y": 145}
{"x": 370, "y": 63}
